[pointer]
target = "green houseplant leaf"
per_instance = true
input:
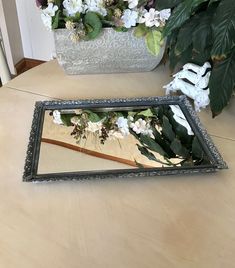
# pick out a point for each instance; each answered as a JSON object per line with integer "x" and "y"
{"x": 162, "y": 4}
{"x": 223, "y": 29}
{"x": 222, "y": 83}
{"x": 202, "y": 33}
{"x": 180, "y": 14}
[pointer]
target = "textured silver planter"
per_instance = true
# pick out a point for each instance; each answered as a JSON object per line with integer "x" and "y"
{"x": 111, "y": 52}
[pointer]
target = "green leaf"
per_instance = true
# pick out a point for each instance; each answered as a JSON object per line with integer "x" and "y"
{"x": 213, "y": 1}
{"x": 154, "y": 41}
{"x": 93, "y": 117}
{"x": 141, "y": 30}
{"x": 146, "y": 153}
{"x": 222, "y": 83}
{"x": 202, "y": 34}
{"x": 197, "y": 150}
{"x": 162, "y": 4}
{"x": 223, "y": 27}
{"x": 167, "y": 129}
{"x": 58, "y": 2}
{"x": 146, "y": 113}
{"x": 152, "y": 145}
{"x": 180, "y": 15}
{"x": 93, "y": 24}
{"x": 184, "y": 39}
{"x": 179, "y": 149}
{"x": 66, "y": 119}
{"x": 120, "y": 29}
{"x": 55, "y": 19}
{"x": 186, "y": 56}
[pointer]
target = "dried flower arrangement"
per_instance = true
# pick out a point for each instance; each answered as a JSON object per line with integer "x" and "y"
{"x": 162, "y": 133}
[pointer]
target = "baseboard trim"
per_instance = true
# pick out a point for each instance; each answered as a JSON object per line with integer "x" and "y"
{"x": 26, "y": 64}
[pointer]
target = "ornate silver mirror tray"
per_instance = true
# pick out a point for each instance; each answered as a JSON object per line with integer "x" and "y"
{"x": 87, "y": 139}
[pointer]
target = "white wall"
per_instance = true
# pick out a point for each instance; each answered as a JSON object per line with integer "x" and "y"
{"x": 10, "y": 33}
{"x": 38, "y": 42}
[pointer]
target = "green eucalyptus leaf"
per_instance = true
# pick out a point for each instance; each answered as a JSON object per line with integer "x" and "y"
{"x": 222, "y": 83}
{"x": 179, "y": 149}
{"x": 223, "y": 26}
{"x": 152, "y": 144}
{"x": 146, "y": 113}
{"x": 141, "y": 30}
{"x": 197, "y": 150}
{"x": 93, "y": 24}
{"x": 146, "y": 153}
{"x": 154, "y": 41}
{"x": 167, "y": 129}
{"x": 66, "y": 119}
{"x": 93, "y": 117}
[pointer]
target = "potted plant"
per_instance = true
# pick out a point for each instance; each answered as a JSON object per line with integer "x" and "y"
{"x": 104, "y": 36}
{"x": 204, "y": 30}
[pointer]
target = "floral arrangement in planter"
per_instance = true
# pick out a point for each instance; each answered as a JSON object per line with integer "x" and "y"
{"x": 161, "y": 134}
{"x": 86, "y": 18}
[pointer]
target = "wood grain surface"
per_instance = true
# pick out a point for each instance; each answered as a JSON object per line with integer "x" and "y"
{"x": 164, "y": 222}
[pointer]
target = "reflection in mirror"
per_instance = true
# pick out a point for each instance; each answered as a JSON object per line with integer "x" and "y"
{"x": 118, "y": 138}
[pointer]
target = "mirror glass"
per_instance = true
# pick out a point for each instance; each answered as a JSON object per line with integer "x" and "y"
{"x": 117, "y": 138}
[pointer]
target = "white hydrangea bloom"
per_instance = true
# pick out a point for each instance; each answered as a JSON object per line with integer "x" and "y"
{"x": 47, "y": 15}
{"x": 165, "y": 14}
{"x": 129, "y": 18}
{"x": 57, "y": 118}
{"x": 122, "y": 124}
{"x": 142, "y": 127}
{"x": 180, "y": 118}
{"x": 151, "y": 18}
{"x": 96, "y": 6}
{"x": 72, "y": 7}
{"x": 94, "y": 126}
{"x": 132, "y": 3}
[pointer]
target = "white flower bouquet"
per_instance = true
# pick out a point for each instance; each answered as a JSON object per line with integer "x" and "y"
{"x": 86, "y": 18}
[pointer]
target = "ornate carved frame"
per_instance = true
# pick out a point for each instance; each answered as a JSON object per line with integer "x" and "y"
{"x": 32, "y": 158}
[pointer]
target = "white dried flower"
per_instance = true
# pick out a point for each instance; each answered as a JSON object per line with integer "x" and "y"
{"x": 165, "y": 14}
{"x": 96, "y": 6}
{"x": 75, "y": 120}
{"x": 142, "y": 127}
{"x": 132, "y": 3}
{"x": 129, "y": 18}
{"x": 94, "y": 126}
{"x": 57, "y": 118}
{"x": 113, "y": 134}
{"x": 122, "y": 124}
{"x": 74, "y": 37}
{"x": 70, "y": 25}
{"x": 72, "y": 7}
